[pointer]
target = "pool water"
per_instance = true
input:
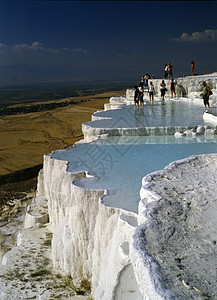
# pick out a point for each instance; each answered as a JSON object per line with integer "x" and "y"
{"x": 159, "y": 114}
{"x": 119, "y": 164}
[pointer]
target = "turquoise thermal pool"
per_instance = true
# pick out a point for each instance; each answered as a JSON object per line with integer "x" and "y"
{"x": 159, "y": 114}
{"x": 118, "y": 165}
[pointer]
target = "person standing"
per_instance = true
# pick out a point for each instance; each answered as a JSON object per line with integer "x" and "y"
{"x": 141, "y": 100}
{"x": 163, "y": 89}
{"x": 165, "y": 72}
{"x": 205, "y": 96}
{"x": 192, "y": 67}
{"x": 172, "y": 88}
{"x": 136, "y": 96}
{"x": 151, "y": 91}
{"x": 142, "y": 81}
{"x": 169, "y": 70}
{"x": 146, "y": 77}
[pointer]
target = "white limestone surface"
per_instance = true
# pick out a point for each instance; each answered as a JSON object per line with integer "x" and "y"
{"x": 90, "y": 239}
{"x": 158, "y": 120}
{"x": 94, "y": 241}
{"x": 209, "y": 117}
{"x": 36, "y": 212}
{"x": 174, "y": 249}
{"x": 27, "y": 269}
{"x": 189, "y": 86}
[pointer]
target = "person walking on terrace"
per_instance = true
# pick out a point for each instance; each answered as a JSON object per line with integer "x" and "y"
{"x": 163, "y": 89}
{"x": 205, "y": 96}
{"x": 151, "y": 91}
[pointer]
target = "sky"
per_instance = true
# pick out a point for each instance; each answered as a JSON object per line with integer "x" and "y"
{"x": 45, "y": 42}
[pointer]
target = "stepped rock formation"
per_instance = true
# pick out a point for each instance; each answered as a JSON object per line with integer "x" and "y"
{"x": 152, "y": 254}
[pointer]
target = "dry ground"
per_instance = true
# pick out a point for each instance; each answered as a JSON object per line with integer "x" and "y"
{"x": 25, "y": 138}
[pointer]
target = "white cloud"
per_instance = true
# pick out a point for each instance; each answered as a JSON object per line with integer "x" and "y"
{"x": 78, "y": 50}
{"x": 39, "y": 55}
{"x": 37, "y": 46}
{"x": 207, "y": 35}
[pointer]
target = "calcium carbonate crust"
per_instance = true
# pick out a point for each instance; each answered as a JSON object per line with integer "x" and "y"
{"x": 90, "y": 240}
{"x": 175, "y": 244}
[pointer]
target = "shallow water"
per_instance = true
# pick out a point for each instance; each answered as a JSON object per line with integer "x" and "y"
{"x": 159, "y": 114}
{"x": 118, "y": 165}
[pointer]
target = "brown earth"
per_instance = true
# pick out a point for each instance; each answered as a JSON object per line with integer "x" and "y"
{"x": 25, "y": 138}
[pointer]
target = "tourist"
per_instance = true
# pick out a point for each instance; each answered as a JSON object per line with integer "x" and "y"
{"x": 136, "y": 96}
{"x": 165, "y": 72}
{"x": 172, "y": 88}
{"x": 151, "y": 91}
{"x": 163, "y": 89}
{"x": 192, "y": 67}
{"x": 169, "y": 70}
{"x": 142, "y": 81}
{"x": 141, "y": 101}
{"x": 146, "y": 77}
{"x": 206, "y": 93}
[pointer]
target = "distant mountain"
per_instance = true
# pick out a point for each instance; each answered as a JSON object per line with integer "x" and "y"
{"x": 27, "y": 75}
{"x": 21, "y": 75}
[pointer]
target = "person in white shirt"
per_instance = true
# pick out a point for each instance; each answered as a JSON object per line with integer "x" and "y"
{"x": 163, "y": 89}
{"x": 151, "y": 91}
{"x": 141, "y": 101}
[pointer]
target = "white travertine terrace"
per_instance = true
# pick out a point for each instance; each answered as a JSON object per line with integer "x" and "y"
{"x": 152, "y": 254}
{"x": 174, "y": 249}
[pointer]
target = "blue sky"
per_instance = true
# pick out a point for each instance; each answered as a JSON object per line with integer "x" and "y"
{"x": 74, "y": 41}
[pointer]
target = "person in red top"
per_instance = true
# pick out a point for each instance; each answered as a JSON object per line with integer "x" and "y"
{"x": 192, "y": 67}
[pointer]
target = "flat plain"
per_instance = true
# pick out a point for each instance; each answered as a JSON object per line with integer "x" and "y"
{"x": 26, "y": 137}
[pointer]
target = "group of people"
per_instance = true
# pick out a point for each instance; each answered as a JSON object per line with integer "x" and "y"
{"x": 144, "y": 84}
{"x": 144, "y": 80}
{"x": 149, "y": 87}
{"x": 168, "y": 73}
{"x": 163, "y": 88}
{"x": 139, "y": 92}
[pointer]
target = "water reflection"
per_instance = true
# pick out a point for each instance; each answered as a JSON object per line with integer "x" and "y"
{"x": 139, "y": 116}
{"x": 158, "y": 114}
